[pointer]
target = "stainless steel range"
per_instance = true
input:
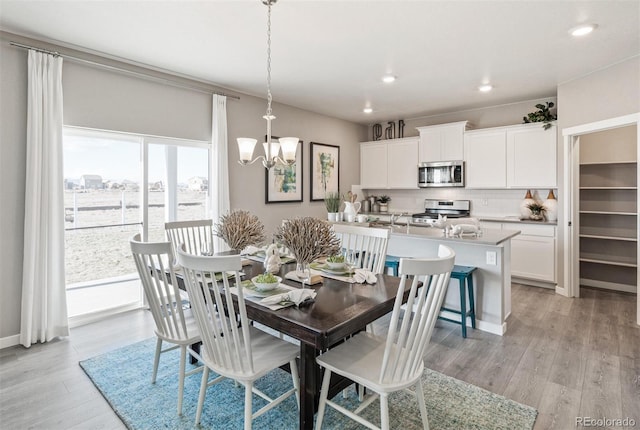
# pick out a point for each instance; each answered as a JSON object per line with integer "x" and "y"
{"x": 435, "y": 208}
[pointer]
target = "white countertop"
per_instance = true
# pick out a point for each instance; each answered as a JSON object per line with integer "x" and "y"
{"x": 488, "y": 236}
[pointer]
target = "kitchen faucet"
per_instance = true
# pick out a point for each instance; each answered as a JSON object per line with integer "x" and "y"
{"x": 395, "y": 216}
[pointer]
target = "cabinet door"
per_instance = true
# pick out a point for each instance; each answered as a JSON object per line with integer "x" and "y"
{"x": 531, "y": 157}
{"x": 402, "y": 165}
{"x": 485, "y": 158}
{"x": 373, "y": 165}
{"x": 429, "y": 146}
{"x": 533, "y": 257}
{"x": 452, "y": 143}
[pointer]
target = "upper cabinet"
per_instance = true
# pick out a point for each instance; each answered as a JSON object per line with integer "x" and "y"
{"x": 521, "y": 156}
{"x": 485, "y": 158}
{"x": 389, "y": 164}
{"x": 443, "y": 142}
{"x": 531, "y": 157}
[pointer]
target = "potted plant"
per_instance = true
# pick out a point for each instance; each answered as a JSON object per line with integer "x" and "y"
{"x": 543, "y": 114}
{"x": 537, "y": 211}
{"x": 332, "y": 203}
{"x": 384, "y": 200}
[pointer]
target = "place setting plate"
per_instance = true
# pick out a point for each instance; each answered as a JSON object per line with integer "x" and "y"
{"x": 251, "y": 290}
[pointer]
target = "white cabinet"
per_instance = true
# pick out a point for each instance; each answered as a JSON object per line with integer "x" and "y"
{"x": 520, "y": 156}
{"x": 531, "y": 157}
{"x": 485, "y": 158}
{"x": 373, "y": 165}
{"x": 389, "y": 164}
{"x": 442, "y": 142}
{"x": 533, "y": 251}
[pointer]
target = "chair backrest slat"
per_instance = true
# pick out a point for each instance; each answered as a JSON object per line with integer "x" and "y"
{"x": 160, "y": 287}
{"x": 370, "y": 244}
{"x": 194, "y": 234}
{"x": 407, "y": 339}
{"x": 225, "y": 339}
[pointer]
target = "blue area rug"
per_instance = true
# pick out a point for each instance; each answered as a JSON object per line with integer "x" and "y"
{"x": 123, "y": 377}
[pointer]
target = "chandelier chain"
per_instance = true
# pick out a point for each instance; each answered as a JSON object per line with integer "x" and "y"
{"x": 269, "y": 97}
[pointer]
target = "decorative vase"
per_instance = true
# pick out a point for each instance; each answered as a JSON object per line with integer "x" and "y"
{"x": 332, "y": 216}
{"x": 551, "y": 205}
{"x": 525, "y": 212}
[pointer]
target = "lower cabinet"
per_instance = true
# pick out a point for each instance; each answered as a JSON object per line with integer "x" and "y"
{"x": 533, "y": 251}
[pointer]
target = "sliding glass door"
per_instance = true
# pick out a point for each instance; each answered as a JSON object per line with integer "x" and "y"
{"x": 117, "y": 185}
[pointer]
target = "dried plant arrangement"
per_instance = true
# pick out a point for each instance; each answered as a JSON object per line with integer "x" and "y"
{"x": 308, "y": 239}
{"x": 240, "y": 229}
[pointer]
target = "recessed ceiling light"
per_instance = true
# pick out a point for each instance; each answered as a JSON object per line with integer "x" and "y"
{"x": 485, "y": 88}
{"x": 582, "y": 30}
{"x": 367, "y": 110}
{"x": 388, "y": 79}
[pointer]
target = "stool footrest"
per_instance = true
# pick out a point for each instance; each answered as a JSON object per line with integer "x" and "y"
{"x": 455, "y": 311}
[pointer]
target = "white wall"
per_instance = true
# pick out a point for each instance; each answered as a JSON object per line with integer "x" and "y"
{"x": 110, "y": 100}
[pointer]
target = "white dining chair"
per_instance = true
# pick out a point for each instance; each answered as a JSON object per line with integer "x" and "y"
{"x": 174, "y": 325}
{"x": 236, "y": 351}
{"x": 368, "y": 244}
{"x": 386, "y": 365}
{"x": 197, "y": 236}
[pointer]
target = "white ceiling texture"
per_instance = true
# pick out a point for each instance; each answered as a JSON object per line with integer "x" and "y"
{"x": 329, "y": 56}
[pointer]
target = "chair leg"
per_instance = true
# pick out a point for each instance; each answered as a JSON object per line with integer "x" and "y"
{"x": 183, "y": 363}
{"x": 324, "y": 392}
{"x": 248, "y": 393}
{"x": 384, "y": 411}
{"x": 463, "y": 308}
{"x": 421, "y": 404}
{"x": 156, "y": 360}
{"x": 296, "y": 379}
{"x": 203, "y": 391}
{"x": 472, "y": 302}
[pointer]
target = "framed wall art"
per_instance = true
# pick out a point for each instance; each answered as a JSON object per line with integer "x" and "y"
{"x": 283, "y": 184}
{"x": 325, "y": 170}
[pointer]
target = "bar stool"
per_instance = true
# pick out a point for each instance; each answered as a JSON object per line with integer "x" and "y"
{"x": 464, "y": 275}
{"x": 393, "y": 263}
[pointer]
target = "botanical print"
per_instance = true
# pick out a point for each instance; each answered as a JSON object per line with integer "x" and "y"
{"x": 326, "y": 165}
{"x": 325, "y": 168}
{"x": 284, "y": 179}
{"x": 283, "y": 183}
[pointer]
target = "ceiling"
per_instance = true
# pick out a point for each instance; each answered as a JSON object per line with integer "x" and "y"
{"x": 329, "y": 56}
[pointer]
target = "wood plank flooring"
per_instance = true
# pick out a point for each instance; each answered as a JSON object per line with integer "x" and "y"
{"x": 565, "y": 357}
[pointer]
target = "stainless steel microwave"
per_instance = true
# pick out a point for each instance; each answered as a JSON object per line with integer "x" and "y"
{"x": 441, "y": 174}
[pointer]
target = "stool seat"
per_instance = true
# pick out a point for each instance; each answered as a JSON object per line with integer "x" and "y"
{"x": 393, "y": 263}
{"x": 464, "y": 275}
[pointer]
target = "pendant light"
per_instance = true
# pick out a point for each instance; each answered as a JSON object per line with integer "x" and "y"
{"x": 289, "y": 145}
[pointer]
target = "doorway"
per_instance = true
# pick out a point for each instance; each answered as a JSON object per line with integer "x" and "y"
{"x": 601, "y": 177}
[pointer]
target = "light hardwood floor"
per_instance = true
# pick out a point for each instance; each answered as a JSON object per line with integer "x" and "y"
{"x": 565, "y": 357}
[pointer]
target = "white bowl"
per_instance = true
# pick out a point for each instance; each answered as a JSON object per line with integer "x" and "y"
{"x": 265, "y": 287}
{"x": 335, "y": 266}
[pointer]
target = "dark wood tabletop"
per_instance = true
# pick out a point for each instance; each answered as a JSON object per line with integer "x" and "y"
{"x": 340, "y": 310}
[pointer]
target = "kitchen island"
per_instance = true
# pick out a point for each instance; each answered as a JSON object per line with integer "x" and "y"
{"x": 490, "y": 253}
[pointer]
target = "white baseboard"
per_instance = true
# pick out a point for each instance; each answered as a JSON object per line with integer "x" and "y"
{"x": 6, "y": 342}
{"x": 489, "y": 327}
{"x": 533, "y": 282}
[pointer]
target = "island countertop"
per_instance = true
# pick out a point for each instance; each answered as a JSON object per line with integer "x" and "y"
{"x": 488, "y": 236}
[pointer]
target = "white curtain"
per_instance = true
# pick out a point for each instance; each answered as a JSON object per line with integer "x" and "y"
{"x": 219, "y": 165}
{"x": 44, "y": 304}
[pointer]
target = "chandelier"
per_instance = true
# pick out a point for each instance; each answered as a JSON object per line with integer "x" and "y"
{"x": 289, "y": 145}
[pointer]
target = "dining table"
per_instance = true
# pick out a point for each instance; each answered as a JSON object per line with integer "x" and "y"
{"x": 340, "y": 309}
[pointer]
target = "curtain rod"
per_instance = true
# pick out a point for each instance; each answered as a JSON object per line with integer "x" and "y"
{"x": 124, "y": 71}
